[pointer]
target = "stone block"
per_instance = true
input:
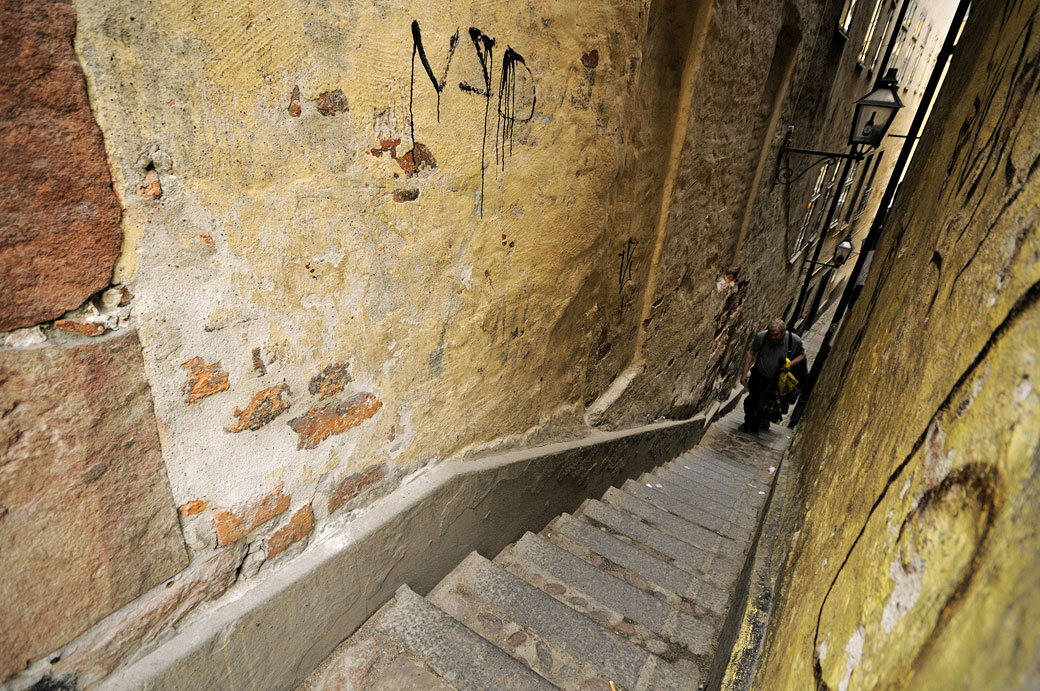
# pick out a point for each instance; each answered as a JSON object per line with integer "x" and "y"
{"x": 87, "y": 521}
{"x": 59, "y": 214}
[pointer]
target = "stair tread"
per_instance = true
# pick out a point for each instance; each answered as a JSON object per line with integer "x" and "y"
{"x": 689, "y": 532}
{"x": 701, "y": 495}
{"x": 700, "y": 472}
{"x": 712, "y": 567}
{"x": 458, "y": 655}
{"x": 738, "y": 532}
{"x": 575, "y": 574}
{"x": 725, "y": 463}
{"x": 660, "y": 574}
{"x": 566, "y": 628}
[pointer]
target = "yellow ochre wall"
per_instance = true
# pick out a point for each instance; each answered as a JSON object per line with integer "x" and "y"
{"x": 914, "y": 560}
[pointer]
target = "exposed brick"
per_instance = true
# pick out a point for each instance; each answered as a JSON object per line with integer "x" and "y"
{"x": 99, "y": 651}
{"x": 321, "y": 422}
{"x": 265, "y": 406}
{"x": 81, "y": 327}
{"x": 90, "y": 523}
{"x": 150, "y": 188}
{"x": 332, "y": 102}
{"x": 292, "y": 532}
{"x": 294, "y": 103}
{"x": 330, "y": 381}
{"x": 59, "y": 214}
{"x": 353, "y": 485}
{"x": 192, "y": 507}
{"x": 203, "y": 380}
{"x": 237, "y": 522}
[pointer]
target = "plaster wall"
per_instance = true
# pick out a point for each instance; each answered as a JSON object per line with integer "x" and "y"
{"x": 911, "y": 560}
{"x": 364, "y": 239}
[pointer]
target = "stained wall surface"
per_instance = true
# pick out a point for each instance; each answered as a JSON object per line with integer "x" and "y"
{"x": 913, "y": 560}
{"x": 362, "y": 238}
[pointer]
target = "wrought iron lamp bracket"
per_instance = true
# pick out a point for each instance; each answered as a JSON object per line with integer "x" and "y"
{"x": 785, "y": 174}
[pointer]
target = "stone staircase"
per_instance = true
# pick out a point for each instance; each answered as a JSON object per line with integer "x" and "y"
{"x": 631, "y": 589}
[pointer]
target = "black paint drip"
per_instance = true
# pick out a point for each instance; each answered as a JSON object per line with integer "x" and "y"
{"x": 507, "y": 104}
{"x": 484, "y": 46}
{"x": 438, "y": 85}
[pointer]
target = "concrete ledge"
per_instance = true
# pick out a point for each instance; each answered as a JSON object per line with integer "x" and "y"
{"x": 271, "y": 632}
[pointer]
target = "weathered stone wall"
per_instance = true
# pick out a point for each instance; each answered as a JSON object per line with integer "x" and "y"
{"x": 358, "y": 239}
{"x": 913, "y": 562}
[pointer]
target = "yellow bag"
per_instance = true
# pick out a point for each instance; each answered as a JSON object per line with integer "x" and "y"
{"x": 787, "y": 380}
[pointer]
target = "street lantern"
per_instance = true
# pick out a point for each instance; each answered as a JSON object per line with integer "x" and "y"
{"x": 875, "y": 112}
{"x": 843, "y": 251}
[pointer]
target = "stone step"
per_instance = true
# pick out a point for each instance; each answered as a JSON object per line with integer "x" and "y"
{"x": 462, "y": 658}
{"x": 585, "y": 587}
{"x": 711, "y": 567}
{"x": 527, "y": 646}
{"x": 700, "y": 495}
{"x": 731, "y": 490}
{"x": 670, "y": 523}
{"x": 651, "y": 573}
{"x": 684, "y": 510}
{"x": 700, "y": 461}
{"x": 565, "y": 629}
{"x": 725, "y": 464}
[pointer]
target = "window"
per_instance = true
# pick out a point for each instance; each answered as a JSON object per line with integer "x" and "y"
{"x": 845, "y": 22}
{"x": 865, "y": 50}
{"x": 810, "y": 209}
{"x": 853, "y": 206}
{"x": 846, "y": 186}
{"x": 881, "y": 38}
{"x": 870, "y": 185}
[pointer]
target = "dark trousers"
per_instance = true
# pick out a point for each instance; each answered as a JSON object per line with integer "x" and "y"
{"x": 755, "y": 405}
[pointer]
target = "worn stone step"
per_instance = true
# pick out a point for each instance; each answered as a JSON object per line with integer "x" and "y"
{"x": 585, "y": 587}
{"x": 625, "y": 663}
{"x": 723, "y": 485}
{"x": 704, "y": 497}
{"x": 699, "y": 461}
{"x": 371, "y": 660}
{"x": 731, "y": 490}
{"x": 529, "y": 647}
{"x": 726, "y": 464}
{"x": 670, "y": 523}
{"x": 462, "y": 658}
{"x": 684, "y": 510}
{"x": 700, "y": 495}
{"x": 613, "y": 552}
{"x": 712, "y": 567}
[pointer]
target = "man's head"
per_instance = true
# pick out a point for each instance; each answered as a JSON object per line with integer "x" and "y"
{"x": 776, "y": 330}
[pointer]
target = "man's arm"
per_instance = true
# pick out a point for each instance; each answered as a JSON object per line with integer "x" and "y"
{"x": 797, "y": 359}
{"x": 747, "y": 366}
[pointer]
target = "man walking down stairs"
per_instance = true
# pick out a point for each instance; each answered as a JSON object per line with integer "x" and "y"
{"x": 631, "y": 590}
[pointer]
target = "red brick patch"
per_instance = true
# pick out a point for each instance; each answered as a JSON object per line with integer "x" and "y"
{"x": 321, "y": 422}
{"x": 352, "y": 485}
{"x": 301, "y": 523}
{"x": 330, "y": 381}
{"x": 258, "y": 362}
{"x": 265, "y": 406}
{"x": 80, "y": 327}
{"x": 192, "y": 507}
{"x": 203, "y": 380}
{"x": 235, "y": 523}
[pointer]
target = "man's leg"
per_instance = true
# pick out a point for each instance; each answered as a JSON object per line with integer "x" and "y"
{"x": 753, "y": 403}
